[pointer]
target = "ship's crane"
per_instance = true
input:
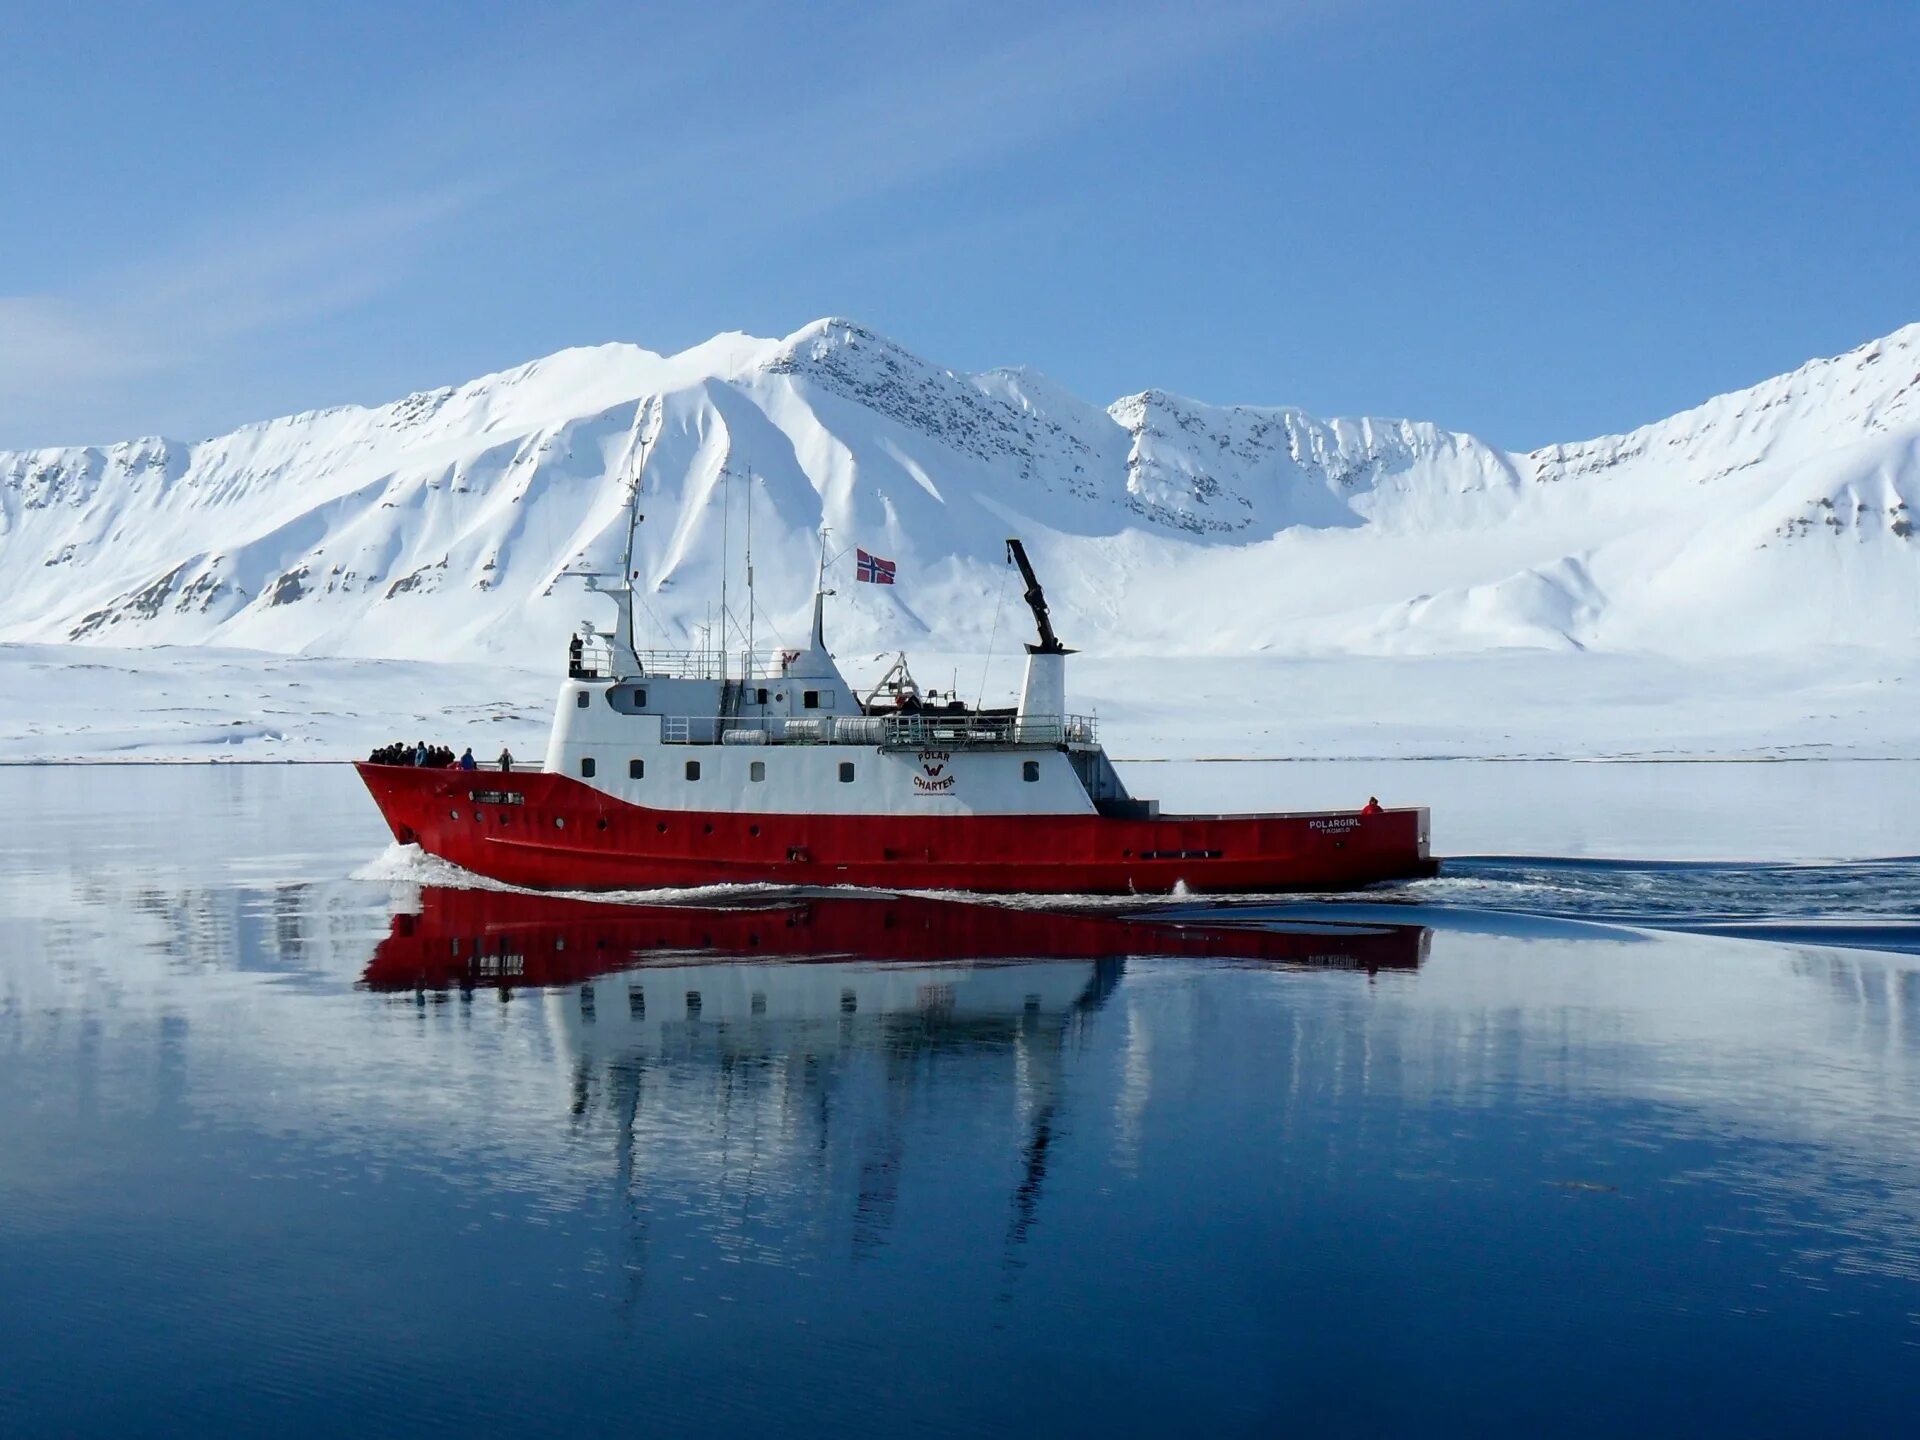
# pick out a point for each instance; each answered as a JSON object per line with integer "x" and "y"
{"x": 1036, "y": 602}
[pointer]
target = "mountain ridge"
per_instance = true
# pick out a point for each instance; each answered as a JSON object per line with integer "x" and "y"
{"x": 443, "y": 524}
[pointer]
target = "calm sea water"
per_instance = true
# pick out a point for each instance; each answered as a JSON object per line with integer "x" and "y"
{"x": 295, "y": 1141}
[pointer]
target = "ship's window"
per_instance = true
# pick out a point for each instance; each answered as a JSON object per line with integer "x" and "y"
{"x": 1030, "y": 770}
{"x": 586, "y": 766}
{"x": 693, "y": 769}
{"x": 810, "y": 699}
{"x": 760, "y": 696}
{"x": 693, "y": 1002}
{"x": 582, "y": 699}
{"x": 453, "y": 814}
{"x": 639, "y": 698}
{"x": 559, "y": 822}
{"x": 636, "y": 769}
{"x": 757, "y": 770}
{"x": 846, "y": 772}
{"x": 849, "y": 1002}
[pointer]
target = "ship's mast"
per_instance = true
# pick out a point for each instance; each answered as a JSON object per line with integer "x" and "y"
{"x": 726, "y": 552}
{"x": 634, "y": 518}
{"x": 746, "y": 668}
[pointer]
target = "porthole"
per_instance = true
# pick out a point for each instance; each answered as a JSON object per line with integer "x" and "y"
{"x": 661, "y": 827}
{"x": 1029, "y": 770}
{"x": 559, "y": 822}
{"x": 693, "y": 769}
{"x": 757, "y": 770}
{"x": 586, "y": 766}
{"x": 601, "y": 823}
{"x": 706, "y": 829}
{"x": 846, "y": 772}
{"x": 636, "y": 769}
{"x": 453, "y": 814}
{"x": 581, "y": 699}
{"x": 753, "y": 829}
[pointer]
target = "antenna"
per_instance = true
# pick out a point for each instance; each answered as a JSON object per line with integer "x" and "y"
{"x": 636, "y": 482}
{"x": 746, "y": 669}
{"x": 726, "y": 517}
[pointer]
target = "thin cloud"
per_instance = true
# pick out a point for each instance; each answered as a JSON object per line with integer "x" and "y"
{"x": 567, "y": 116}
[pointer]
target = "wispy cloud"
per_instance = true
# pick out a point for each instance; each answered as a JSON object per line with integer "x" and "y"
{"x": 663, "y": 116}
{"x": 168, "y": 310}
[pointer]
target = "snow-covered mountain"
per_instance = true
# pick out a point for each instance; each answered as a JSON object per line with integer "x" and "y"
{"x": 446, "y": 525}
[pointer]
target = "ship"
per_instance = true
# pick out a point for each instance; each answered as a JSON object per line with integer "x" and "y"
{"x": 690, "y": 768}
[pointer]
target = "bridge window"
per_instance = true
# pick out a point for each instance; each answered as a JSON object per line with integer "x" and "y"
{"x": 757, "y": 770}
{"x": 636, "y": 769}
{"x": 581, "y": 699}
{"x": 586, "y": 766}
{"x": 693, "y": 769}
{"x": 846, "y": 772}
{"x": 1029, "y": 769}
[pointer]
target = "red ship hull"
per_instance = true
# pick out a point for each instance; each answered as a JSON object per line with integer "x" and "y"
{"x": 551, "y": 832}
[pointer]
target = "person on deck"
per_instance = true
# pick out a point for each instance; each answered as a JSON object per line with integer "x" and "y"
{"x": 420, "y": 754}
{"x": 506, "y": 761}
{"x": 1372, "y": 807}
{"x": 467, "y": 761}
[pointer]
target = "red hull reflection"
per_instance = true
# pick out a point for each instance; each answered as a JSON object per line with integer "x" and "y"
{"x": 490, "y": 937}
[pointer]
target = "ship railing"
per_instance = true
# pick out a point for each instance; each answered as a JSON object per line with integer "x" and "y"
{"x": 590, "y": 657}
{"x": 924, "y": 731}
{"x": 714, "y": 664}
{"x": 934, "y": 731}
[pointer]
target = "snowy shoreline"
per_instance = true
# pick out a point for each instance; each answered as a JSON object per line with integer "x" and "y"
{"x": 90, "y": 704}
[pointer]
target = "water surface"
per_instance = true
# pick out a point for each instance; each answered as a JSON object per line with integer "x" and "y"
{"x": 1545, "y": 1143}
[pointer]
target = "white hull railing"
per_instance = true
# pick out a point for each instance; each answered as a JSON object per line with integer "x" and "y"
{"x": 596, "y": 660}
{"x": 924, "y": 731}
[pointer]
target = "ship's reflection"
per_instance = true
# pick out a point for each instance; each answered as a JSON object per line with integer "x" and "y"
{"x": 462, "y": 939}
{"x": 799, "y": 1036}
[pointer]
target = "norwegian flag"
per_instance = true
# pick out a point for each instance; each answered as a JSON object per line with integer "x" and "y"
{"x": 872, "y": 569}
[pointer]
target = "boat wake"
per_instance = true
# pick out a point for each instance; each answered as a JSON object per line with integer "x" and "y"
{"x": 410, "y": 867}
{"x": 1869, "y": 904}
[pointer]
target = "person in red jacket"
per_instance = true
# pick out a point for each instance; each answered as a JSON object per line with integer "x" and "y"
{"x": 1372, "y": 807}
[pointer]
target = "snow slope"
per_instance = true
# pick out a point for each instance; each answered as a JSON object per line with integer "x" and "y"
{"x": 443, "y": 526}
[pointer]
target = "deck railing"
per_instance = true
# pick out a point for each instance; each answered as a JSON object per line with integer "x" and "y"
{"x": 923, "y": 731}
{"x": 594, "y": 660}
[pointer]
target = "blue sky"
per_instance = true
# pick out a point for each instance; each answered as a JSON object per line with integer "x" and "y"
{"x": 1535, "y": 221}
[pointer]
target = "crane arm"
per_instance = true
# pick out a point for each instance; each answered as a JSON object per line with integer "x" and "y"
{"x": 1036, "y": 601}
